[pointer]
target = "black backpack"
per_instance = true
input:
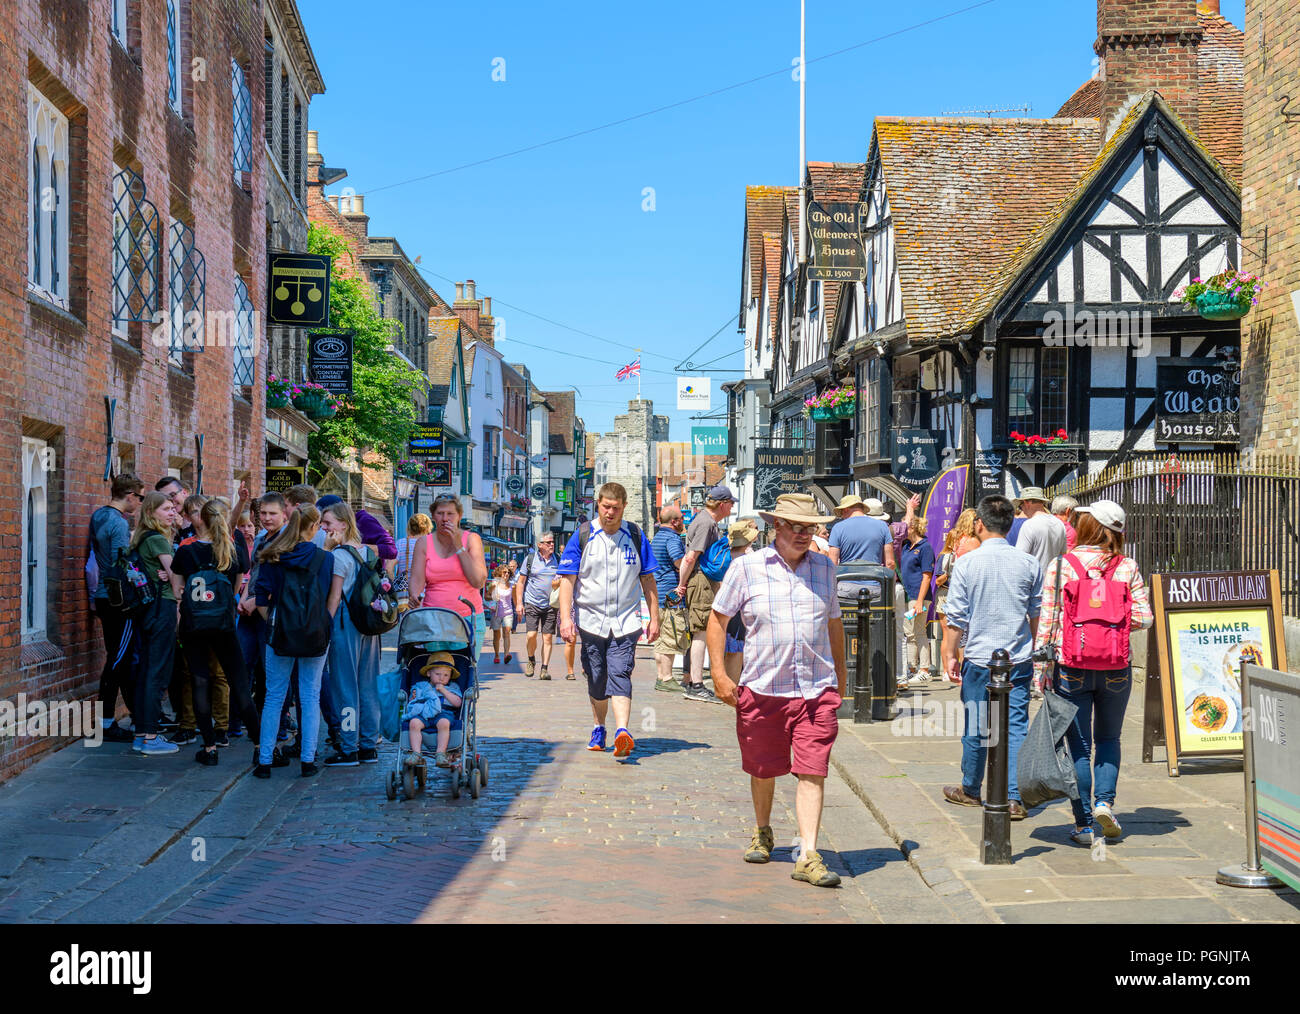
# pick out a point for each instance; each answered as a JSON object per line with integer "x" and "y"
{"x": 300, "y": 617}
{"x": 130, "y": 590}
{"x": 208, "y": 602}
{"x": 368, "y": 587}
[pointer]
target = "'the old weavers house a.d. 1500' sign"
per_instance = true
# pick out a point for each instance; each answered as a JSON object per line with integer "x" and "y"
{"x": 836, "y": 232}
{"x": 1197, "y": 401}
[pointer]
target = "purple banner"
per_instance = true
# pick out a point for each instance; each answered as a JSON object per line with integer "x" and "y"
{"x": 943, "y": 506}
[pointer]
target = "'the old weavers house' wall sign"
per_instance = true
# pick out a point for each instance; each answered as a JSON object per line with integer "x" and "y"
{"x": 1197, "y": 401}
{"x": 1206, "y": 627}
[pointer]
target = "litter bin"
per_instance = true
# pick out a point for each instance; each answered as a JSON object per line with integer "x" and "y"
{"x": 878, "y": 683}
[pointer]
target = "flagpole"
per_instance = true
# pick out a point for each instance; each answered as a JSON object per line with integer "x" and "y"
{"x": 638, "y": 375}
{"x": 803, "y": 131}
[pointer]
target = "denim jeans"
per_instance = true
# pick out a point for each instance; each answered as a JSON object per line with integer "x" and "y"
{"x": 354, "y": 679}
{"x": 1102, "y": 696}
{"x": 157, "y": 628}
{"x": 278, "y": 671}
{"x": 974, "y": 742}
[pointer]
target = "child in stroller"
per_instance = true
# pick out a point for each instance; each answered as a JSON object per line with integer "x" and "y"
{"x": 434, "y": 703}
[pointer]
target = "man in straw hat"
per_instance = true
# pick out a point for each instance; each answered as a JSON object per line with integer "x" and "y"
{"x": 862, "y": 533}
{"x": 1042, "y": 535}
{"x": 793, "y": 677}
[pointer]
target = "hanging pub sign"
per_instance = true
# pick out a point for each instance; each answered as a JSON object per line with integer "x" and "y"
{"x": 281, "y": 480}
{"x": 1206, "y": 627}
{"x": 916, "y": 457}
{"x": 514, "y": 484}
{"x": 426, "y": 441}
{"x": 1197, "y": 401}
{"x": 835, "y": 229}
{"x": 697, "y": 497}
{"x": 438, "y": 472}
{"x": 329, "y": 359}
{"x": 299, "y": 289}
{"x": 778, "y": 470}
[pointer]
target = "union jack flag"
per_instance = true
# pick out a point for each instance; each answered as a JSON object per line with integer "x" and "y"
{"x": 632, "y": 369}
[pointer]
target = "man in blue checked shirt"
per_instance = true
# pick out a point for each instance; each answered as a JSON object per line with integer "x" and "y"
{"x": 605, "y": 571}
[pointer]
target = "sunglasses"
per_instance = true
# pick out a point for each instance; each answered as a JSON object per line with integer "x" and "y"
{"x": 800, "y": 529}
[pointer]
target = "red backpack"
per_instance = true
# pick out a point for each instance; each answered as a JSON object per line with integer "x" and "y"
{"x": 1096, "y": 612}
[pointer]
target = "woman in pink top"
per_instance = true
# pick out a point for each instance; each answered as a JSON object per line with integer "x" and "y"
{"x": 448, "y": 564}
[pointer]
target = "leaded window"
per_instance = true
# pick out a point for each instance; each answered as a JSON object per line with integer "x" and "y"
{"x": 173, "y": 56}
{"x": 268, "y": 83}
{"x": 119, "y": 21}
{"x": 47, "y": 199}
{"x": 36, "y": 472}
{"x": 241, "y": 101}
{"x": 1037, "y": 389}
{"x": 137, "y": 250}
{"x": 187, "y": 274}
{"x": 245, "y": 352}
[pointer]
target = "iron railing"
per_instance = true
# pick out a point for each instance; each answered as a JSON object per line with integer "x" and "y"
{"x": 1206, "y": 512}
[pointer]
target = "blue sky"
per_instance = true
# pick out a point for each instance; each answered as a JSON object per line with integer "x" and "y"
{"x": 560, "y": 232}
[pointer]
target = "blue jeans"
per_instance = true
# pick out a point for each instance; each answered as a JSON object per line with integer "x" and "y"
{"x": 278, "y": 671}
{"x": 1102, "y": 696}
{"x": 974, "y": 743}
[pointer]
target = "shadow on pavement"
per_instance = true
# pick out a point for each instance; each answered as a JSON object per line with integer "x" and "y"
{"x": 648, "y": 748}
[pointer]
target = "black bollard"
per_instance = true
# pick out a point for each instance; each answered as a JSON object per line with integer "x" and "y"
{"x": 995, "y": 848}
{"x": 862, "y": 662}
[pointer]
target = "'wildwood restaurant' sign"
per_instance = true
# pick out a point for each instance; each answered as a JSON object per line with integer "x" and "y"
{"x": 1197, "y": 401}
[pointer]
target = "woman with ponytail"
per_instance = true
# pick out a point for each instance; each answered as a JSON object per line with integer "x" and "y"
{"x": 153, "y": 542}
{"x": 206, "y": 575}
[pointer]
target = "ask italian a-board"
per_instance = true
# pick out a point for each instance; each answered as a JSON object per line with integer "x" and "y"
{"x": 1206, "y": 627}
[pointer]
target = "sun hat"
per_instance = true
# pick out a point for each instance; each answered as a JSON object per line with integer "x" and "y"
{"x": 739, "y": 536}
{"x": 1031, "y": 493}
{"x": 441, "y": 658}
{"x": 800, "y": 508}
{"x": 851, "y": 500}
{"x": 1108, "y": 513}
{"x": 875, "y": 509}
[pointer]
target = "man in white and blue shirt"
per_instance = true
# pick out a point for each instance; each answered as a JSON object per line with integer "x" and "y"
{"x": 605, "y": 570}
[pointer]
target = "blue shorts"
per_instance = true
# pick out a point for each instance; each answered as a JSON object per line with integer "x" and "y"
{"x": 430, "y": 723}
{"x": 607, "y": 663}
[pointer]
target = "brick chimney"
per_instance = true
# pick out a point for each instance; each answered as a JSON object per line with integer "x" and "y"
{"x": 466, "y": 307}
{"x": 1148, "y": 45}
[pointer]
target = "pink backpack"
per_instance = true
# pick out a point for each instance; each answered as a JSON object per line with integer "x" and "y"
{"x": 1096, "y": 612}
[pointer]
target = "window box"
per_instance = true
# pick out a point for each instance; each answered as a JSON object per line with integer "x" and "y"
{"x": 1044, "y": 454}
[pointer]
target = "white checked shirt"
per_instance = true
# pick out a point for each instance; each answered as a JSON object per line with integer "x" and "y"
{"x": 608, "y": 591}
{"x": 787, "y": 614}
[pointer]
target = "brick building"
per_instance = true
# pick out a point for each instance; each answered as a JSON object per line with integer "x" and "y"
{"x": 1270, "y": 227}
{"x": 132, "y": 125}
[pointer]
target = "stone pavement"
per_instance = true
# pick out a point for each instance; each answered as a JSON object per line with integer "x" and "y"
{"x": 1178, "y": 832}
{"x": 560, "y": 834}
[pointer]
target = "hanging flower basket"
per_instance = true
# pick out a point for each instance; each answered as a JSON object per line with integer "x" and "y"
{"x": 278, "y": 392}
{"x": 1229, "y": 295}
{"x": 314, "y": 401}
{"x": 834, "y": 403}
{"x": 845, "y": 409}
{"x": 822, "y": 413}
{"x": 1217, "y": 306}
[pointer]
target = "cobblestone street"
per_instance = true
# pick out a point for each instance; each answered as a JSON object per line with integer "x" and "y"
{"x": 560, "y": 834}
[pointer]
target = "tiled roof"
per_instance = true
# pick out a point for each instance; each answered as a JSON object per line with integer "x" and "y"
{"x": 1084, "y": 103}
{"x": 445, "y": 335}
{"x": 561, "y": 424}
{"x": 772, "y": 258}
{"x": 1014, "y": 266}
{"x": 964, "y": 194}
{"x": 1220, "y": 61}
{"x": 1219, "y": 98}
{"x": 764, "y": 208}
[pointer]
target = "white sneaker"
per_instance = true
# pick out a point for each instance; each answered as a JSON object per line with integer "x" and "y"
{"x": 918, "y": 678}
{"x": 1109, "y": 825}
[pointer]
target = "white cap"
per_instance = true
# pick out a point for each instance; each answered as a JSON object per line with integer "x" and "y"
{"x": 1108, "y": 513}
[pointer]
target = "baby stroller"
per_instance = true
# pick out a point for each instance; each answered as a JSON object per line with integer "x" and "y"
{"x": 420, "y": 633}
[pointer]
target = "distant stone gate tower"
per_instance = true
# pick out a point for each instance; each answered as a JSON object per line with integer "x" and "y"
{"x": 627, "y": 456}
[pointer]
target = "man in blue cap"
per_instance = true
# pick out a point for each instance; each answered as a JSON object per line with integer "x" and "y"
{"x": 698, "y": 589}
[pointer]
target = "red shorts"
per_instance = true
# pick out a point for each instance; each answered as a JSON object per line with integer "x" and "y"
{"x": 771, "y": 728}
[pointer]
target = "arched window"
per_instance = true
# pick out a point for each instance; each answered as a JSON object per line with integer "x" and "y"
{"x": 34, "y": 272}
{"x": 601, "y": 471}
{"x": 47, "y": 243}
{"x": 35, "y": 570}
